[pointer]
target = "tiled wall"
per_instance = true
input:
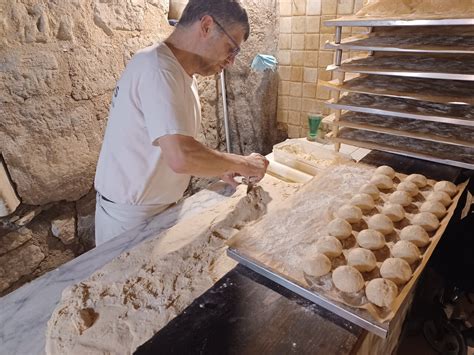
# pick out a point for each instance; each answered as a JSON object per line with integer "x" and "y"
{"x": 303, "y": 59}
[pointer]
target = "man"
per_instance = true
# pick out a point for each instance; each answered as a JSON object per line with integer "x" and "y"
{"x": 149, "y": 151}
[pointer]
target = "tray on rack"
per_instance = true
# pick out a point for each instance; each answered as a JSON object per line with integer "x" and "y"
{"x": 448, "y": 154}
{"x": 443, "y": 67}
{"x": 400, "y": 107}
{"x": 454, "y": 92}
{"x": 276, "y": 245}
{"x": 435, "y": 20}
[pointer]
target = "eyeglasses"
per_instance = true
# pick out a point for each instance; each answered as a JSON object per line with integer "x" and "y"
{"x": 234, "y": 51}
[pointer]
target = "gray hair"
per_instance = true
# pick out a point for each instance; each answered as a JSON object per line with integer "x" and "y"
{"x": 228, "y": 12}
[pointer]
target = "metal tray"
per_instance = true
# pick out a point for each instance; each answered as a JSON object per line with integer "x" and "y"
{"x": 377, "y": 21}
{"x": 364, "y": 321}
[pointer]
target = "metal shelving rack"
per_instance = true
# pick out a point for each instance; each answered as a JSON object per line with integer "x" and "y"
{"x": 414, "y": 97}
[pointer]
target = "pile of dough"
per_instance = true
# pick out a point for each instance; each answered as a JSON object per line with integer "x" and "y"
{"x": 435, "y": 207}
{"x": 364, "y": 201}
{"x": 350, "y": 213}
{"x": 371, "y": 239}
{"x": 362, "y": 259}
{"x": 400, "y": 197}
{"x": 406, "y": 250}
{"x": 396, "y": 270}
{"x": 329, "y": 246}
{"x": 446, "y": 186}
{"x": 370, "y": 189}
{"x": 385, "y": 170}
{"x": 409, "y": 187}
{"x": 427, "y": 220}
{"x": 347, "y": 279}
{"x": 339, "y": 228}
{"x": 317, "y": 265}
{"x": 381, "y": 223}
{"x": 381, "y": 292}
{"x": 382, "y": 181}
{"x": 418, "y": 179}
{"x": 415, "y": 234}
{"x": 440, "y": 196}
{"x": 394, "y": 211}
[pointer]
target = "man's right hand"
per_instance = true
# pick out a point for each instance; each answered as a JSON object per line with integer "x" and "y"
{"x": 256, "y": 167}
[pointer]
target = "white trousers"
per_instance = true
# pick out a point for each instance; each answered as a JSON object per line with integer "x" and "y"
{"x": 113, "y": 219}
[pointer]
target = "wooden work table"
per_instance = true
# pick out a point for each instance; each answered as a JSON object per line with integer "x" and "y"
{"x": 245, "y": 313}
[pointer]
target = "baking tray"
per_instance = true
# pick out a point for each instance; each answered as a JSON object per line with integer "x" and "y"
{"x": 400, "y": 107}
{"x": 432, "y": 90}
{"x": 442, "y": 67}
{"x": 276, "y": 260}
{"x": 377, "y": 21}
{"x": 431, "y": 151}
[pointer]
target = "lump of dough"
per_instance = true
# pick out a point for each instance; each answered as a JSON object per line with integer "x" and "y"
{"x": 382, "y": 181}
{"x": 317, "y": 265}
{"x": 371, "y": 239}
{"x": 362, "y": 259}
{"x": 347, "y": 279}
{"x": 339, "y": 228}
{"x": 406, "y": 250}
{"x": 396, "y": 270}
{"x": 329, "y": 246}
{"x": 394, "y": 211}
{"x": 446, "y": 186}
{"x": 427, "y": 220}
{"x": 440, "y": 196}
{"x": 409, "y": 187}
{"x": 364, "y": 201}
{"x": 435, "y": 207}
{"x": 381, "y": 223}
{"x": 381, "y": 292}
{"x": 415, "y": 234}
{"x": 385, "y": 170}
{"x": 400, "y": 197}
{"x": 370, "y": 189}
{"x": 351, "y": 214}
{"x": 418, "y": 179}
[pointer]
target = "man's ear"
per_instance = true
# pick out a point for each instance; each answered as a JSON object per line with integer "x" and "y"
{"x": 206, "y": 25}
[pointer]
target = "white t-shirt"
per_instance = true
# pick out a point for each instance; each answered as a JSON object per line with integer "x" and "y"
{"x": 153, "y": 98}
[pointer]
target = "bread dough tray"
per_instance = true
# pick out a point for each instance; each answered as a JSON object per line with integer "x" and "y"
{"x": 272, "y": 248}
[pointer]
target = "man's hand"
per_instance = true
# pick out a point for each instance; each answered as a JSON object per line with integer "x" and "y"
{"x": 229, "y": 179}
{"x": 256, "y": 167}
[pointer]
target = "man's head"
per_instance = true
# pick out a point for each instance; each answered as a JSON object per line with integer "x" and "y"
{"x": 221, "y": 26}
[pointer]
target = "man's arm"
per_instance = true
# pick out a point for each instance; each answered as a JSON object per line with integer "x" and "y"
{"x": 185, "y": 155}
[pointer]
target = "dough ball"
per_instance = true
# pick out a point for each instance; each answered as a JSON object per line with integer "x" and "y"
{"x": 415, "y": 234}
{"x": 381, "y": 292}
{"x": 381, "y": 223}
{"x": 418, "y": 179}
{"x": 364, "y": 201}
{"x": 400, "y": 197}
{"x": 371, "y": 239}
{"x": 362, "y": 259}
{"x": 329, "y": 246}
{"x": 446, "y": 186}
{"x": 385, "y": 170}
{"x": 396, "y": 270}
{"x": 317, "y": 265}
{"x": 440, "y": 196}
{"x": 409, "y": 187}
{"x": 406, "y": 250}
{"x": 394, "y": 211}
{"x": 339, "y": 228}
{"x": 351, "y": 214}
{"x": 370, "y": 189}
{"x": 382, "y": 181}
{"x": 427, "y": 220}
{"x": 434, "y": 207}
{"x": 347, "y": 279}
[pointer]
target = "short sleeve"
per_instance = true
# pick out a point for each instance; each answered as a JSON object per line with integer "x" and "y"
{"x": 162, "y": 100}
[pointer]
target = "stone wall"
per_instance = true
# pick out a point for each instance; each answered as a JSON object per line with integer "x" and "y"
{"x": 59, "y": 62}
